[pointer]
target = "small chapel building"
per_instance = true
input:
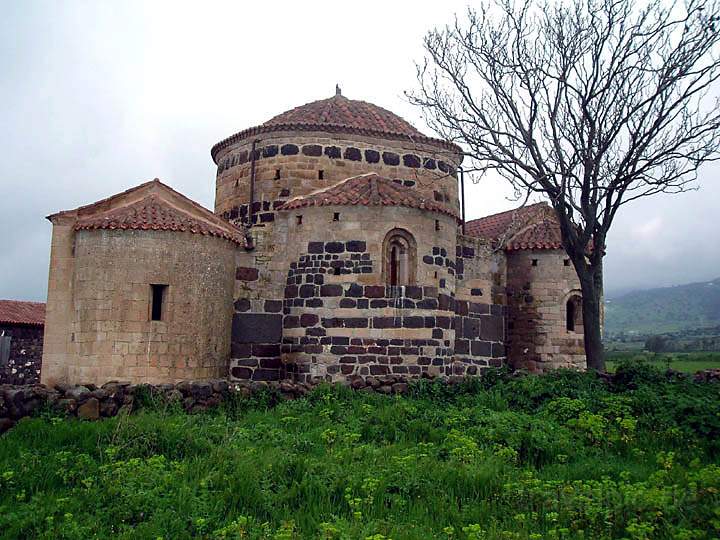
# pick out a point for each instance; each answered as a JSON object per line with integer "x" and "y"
{"x": 335, "y": 250}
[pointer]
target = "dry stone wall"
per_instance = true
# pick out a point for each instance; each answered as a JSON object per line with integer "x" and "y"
{"x": 26, "y": 346}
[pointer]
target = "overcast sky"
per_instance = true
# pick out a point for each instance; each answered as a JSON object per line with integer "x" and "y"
{"x": 100, "y": 96}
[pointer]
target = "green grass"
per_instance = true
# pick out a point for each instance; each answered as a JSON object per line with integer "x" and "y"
{"x": 559, "y": 456}
{"x": 685, "y": 362}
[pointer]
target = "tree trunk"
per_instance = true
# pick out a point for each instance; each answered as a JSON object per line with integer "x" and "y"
{"x": 592, "y": 297}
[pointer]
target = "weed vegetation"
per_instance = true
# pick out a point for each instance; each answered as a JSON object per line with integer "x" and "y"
{"x": 561, "y": 456}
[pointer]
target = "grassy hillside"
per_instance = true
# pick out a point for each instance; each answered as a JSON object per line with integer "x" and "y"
{"x": 665, "y": 309}
{"x": 562, "y": 456}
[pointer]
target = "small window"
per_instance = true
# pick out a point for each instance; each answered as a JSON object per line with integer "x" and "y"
{"x": 298, "y": 220}
{"x": 573, "y": 314}
{"x": 437, "y": 224}
{"x": 566, "y": 262}
{"x": 534, "y": 262}
{"x": 336, "y": 216}
{"x": 157, "y": 301}
{"x": 277, "y": 174}
{"x": 400, "y": 261}
{"x": 321, "y": 175}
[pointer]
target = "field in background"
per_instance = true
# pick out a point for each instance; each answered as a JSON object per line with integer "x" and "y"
{"x": 690, "y": 362}
{"x": 559, "y": 456}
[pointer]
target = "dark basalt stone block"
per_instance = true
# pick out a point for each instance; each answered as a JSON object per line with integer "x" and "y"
{"x": 353, "y": 154}
{"x": 313, "y": 303}
{"x": 307, "y": 291}
{"x": 270, "y": 151}
{"x": 312, "y": 150}
{"x": 372, "y": 156}
{"x": 309, "y": 319}
{"x": 273, "y": 306}
{"x": 242, "y": 157}
{"x": 333, "y": 152}
{"x": 481, "y": 348}
{"x": 266, "y": 375}
{"x": 413, "y": 322}
{"x": 347, "y": 303}
{"x": 240, "y": 350}
{"x": 331, "y": 289}
{"x": 242, "y": 304}
{"x": 429, "y": 163}
{"x": 289, "y": 149}
{"x": 354, "y": 291}
{"x": 491, "y": 327}
{"x": 315, "y": 247}
{"x": 391, "y": 158}
{"x": 257, "y": 328}
{"x": 411, "y": 160}
{"x": 265, "y": 349}
{"x": 355, "y": 246}
{"x": 241, "y": 372}
{"x": 427, "y": 259}
{"x": 334, "y": 247}
{"x": 443, "y": 166}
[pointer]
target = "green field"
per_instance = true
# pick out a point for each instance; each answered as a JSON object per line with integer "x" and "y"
{"x": 685, "y": 362}
{"x": 560, "y": 456}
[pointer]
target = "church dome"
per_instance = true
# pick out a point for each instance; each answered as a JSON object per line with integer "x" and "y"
{"x": 339, "y": 111}
{"x": 339, "y": 114}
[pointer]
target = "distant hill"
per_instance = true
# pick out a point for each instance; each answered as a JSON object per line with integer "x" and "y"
{"x": 664, "y": 309}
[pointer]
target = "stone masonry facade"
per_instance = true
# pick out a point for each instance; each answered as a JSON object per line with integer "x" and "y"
{"x": 335, "y": 252}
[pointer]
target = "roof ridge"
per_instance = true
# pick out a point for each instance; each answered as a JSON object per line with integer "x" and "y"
{"x": 522, "y": 207}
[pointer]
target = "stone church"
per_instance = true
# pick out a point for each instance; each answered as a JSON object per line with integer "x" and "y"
{"x": 336, "y": 249}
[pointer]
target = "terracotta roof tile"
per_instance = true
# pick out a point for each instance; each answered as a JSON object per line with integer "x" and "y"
{"x": 339, "y": 114}
{"x": 153, "y": 206}
{"x": 528, "y": 227}
{"x": 341, "y": 111}
{"x": 368, "y": 190}
{"x": 544, "y": 234}
{"x": 152, "y": 213}
{"x": 15, "y": 312}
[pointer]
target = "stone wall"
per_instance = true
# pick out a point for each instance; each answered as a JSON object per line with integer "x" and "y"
{"x": 539, "y": 285}
{"x": 332, "y": 315}
{"x": 289, "y": 164}
{"x": 26, "y": 347}
{"x": 105, "y": 318}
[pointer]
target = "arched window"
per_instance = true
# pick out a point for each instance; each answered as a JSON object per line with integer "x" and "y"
{"x": 399, "y": 258}
{"x": 573, "y": 313}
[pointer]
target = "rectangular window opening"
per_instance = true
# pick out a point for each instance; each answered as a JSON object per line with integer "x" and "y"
{"x": 336, "y": 216}
{"x": 566, "y": 262}
{"x": 157, "y": 300}
{"x": 277, "y": 174}
{"x": 321, "y": 175}
{"x": 298, "y": 220}
{"x": 534, "y": 262}
{"x": 437, "y": 224}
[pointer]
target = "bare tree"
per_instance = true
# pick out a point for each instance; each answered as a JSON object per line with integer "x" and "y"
{"x": 592, "y": 104}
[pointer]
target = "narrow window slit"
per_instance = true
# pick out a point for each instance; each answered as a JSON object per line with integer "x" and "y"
{"x": 321, "y": 175}
{"x": 157, "y": 300}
